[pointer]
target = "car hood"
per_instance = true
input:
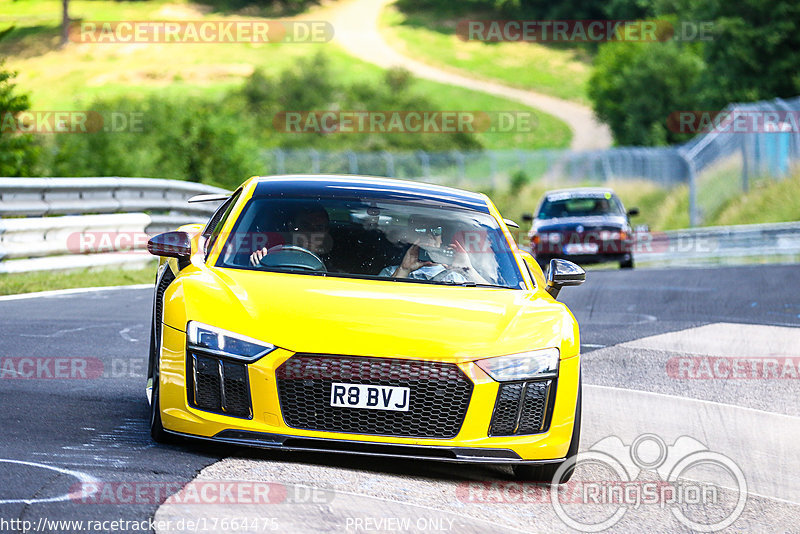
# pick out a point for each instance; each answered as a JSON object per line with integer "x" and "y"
{"x": 331, "y": 315}
{"x": 606, "y": 222}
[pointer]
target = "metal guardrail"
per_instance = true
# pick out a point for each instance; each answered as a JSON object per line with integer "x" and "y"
{"x": 720, "y": 244}
{"x": 61, "y": 223}
{"x": 69, "y": 223}
{"x": 71, "y": 196}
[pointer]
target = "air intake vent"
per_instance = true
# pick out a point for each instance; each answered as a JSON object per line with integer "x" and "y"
{"x": 219, "y": 386}
{"x": 521, "y": 408}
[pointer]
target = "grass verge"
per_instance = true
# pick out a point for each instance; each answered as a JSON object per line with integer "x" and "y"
{"x": 430, "y": 36}
{"x": 767, "y": 201}
{"x": 13, "y": 284}
{"x": 83, "y": 72}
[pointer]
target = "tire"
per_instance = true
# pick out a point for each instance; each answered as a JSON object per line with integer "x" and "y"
{"x": 546, "y": 472}
{"x": 157, "y": 431}
{"x": 626, "y": 264}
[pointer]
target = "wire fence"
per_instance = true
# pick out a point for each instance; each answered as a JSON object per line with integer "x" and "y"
{"x": 737, "y": 147}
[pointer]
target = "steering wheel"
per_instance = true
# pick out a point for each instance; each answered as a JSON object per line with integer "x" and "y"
{"x": 455, "y": 276}
{"x": 293, "y": 257}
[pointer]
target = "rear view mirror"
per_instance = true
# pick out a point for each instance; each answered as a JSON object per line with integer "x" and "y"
{"x": 633, "y": 211}
{"x": 527, "y": 217}
{"x": 563, "y": 273}
{"x": 171, "y": 245}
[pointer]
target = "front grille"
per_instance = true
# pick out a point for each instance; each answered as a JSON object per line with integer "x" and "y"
{"x": 439, "y": 395}
{"x": 521, "y": 408}
{"x": 218, "y": 385}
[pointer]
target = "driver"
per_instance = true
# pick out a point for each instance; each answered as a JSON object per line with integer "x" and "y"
{"x": 309, "y": 229}
{"x": 429, "y": 236}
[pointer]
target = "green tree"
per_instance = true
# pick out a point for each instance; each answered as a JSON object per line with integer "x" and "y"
{"x": 18, "y": 151}
{"x": 635, "y": 87}
{"x": 753, "y": 51}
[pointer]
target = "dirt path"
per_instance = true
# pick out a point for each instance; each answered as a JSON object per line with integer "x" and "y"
{"x": 356, "y": 29}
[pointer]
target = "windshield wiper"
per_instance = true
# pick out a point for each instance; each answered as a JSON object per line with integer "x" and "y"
{"x": 470, "y": 283}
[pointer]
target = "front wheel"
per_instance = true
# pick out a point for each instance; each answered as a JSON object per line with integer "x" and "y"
{"x": 547, "y": 472}
{"x": 157, "y": 431}
{"x": 626, "y": 264}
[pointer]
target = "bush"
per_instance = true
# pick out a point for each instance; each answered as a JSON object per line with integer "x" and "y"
{"x": 19, "y": 153}
{"x": 519, "y": 180}
{"x": 311, "y": 86}
{"x": 636, "y": 85}
{"x": 221, "y": 141}
{"x": 190, "y": 141}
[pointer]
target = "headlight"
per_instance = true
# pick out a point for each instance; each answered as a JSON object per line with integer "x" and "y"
{"x": 223, "y": 343}
{"x": 534, "y": 364}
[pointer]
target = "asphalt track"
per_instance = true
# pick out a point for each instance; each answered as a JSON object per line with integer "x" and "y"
{"x": 635, "y": 325}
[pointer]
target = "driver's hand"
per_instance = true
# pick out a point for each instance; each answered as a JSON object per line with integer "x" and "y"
{"x": 460, "y": 256}
{"x": 256, "y": 256}
{"x": 411, "y": 262}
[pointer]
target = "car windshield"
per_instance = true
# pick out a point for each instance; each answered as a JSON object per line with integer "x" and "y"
{"x": 580, "y": 206}
{"x": 372, "y": 239}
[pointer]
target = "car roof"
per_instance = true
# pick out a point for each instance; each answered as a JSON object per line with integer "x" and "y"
{"x": 359, "y": 187}
{"x": 578, "y": 191}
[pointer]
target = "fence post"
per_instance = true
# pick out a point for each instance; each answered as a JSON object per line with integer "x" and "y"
{"x": 493, "y": 168}
{"x": 425, "y": 160}
{"x": 693, "y": 215}
{"x": 460, "y": 162}
{"x": 280, "y": 161}
{"x": 745, "y": 170}
{"x": 389, "y": 163}
{"x": 314, "y": 161}
{"x": 351, "y": 156}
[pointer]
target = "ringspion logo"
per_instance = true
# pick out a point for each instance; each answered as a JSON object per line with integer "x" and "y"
{"x": 704, "y": 490}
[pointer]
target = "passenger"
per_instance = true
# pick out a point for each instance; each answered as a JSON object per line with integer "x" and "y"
{"x": 429, "y": 236}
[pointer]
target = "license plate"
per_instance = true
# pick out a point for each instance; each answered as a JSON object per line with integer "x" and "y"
{"x": 372, "y": 397}
{"x": 580, "y": 248}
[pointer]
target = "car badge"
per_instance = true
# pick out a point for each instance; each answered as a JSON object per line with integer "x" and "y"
{"x": 579, "y": 228}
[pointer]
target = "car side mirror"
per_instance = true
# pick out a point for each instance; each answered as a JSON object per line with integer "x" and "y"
{"x": 510, "y": 223}
{"x": 527, "y": 217}
{"x": 633, "y": 212}
{"x": 563, "y": 273}
{"x": 171, "y": 244}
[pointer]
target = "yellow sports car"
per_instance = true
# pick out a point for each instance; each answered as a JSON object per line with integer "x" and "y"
{"x": 368, "y": 316}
